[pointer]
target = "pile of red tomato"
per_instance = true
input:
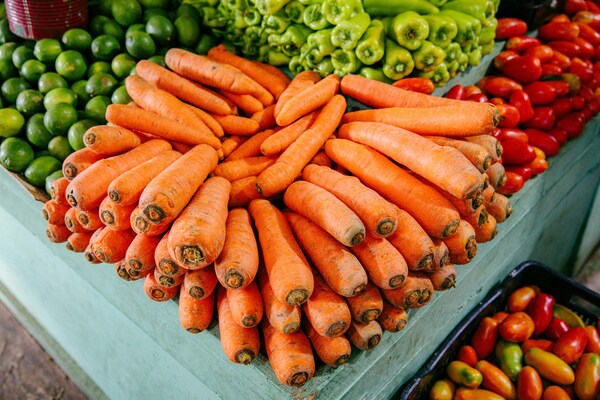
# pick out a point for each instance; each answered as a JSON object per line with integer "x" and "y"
{"x": 545, "y": 87}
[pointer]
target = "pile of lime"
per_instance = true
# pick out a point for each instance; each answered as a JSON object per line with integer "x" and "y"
{"x": 53, "y": 90}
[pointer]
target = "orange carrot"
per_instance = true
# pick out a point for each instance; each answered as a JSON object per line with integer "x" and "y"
{"x": 135, "y": 274}
{"x": 462, "y": 246}
{"x": 321, "y": 159}
{"x": 72, "y": 223}
{"x": 53, "y": 212}
{"x": 384, "y": 264}
{"x": 487, "y": 231}
{"x": 88, "y": 253}
{"x": 308, "y": 100}
{"x": 182, "y": 88}
{"x": 333, "y": 351}
{"x": 240, "y": 344}
{"x": 475, "y": 153}
{"x": 127, "y": 187}
{"x": 110, "y": 246}
{"x": 78, "y": 241}
{"x": 392, "y": 318}
{"x": 412, "y": 242}
{"x": 289, "y": 274}
{"x": 87, "y": 190}
{"x": 426, "y": 291}
{"x": 110, "y": 140}
{"x": 57, "y": 233}
{"x": 282, "y": 316}
{"x": 477, "y": 217}
{"x": 500, "y": 207}
{"x": 490, "y": 143}
{"x": 208, "y": 120}
{"x": 146, "y": 121}
{"x": 246, "y": 305}
{"x": 237, "y": 264}
{"x": 165, "y": 197}
{"x": 290, "y": 355}
{"x": 488, "y": 194}
{"x": 167, "y": 281}
{"x": 497, "y": 175}
{"x": 140, "y": 253}
{"x": 463, "y": 206}
{"x": 441, "y": 256}
{"x": 366, "y": 306}
{"x": 265, "y": 117}
{"x": 445, "y": 167}
{"x": 436, "y": 215}
{"x": 58, "y": 190}
{"x": 198, "y": 234}
{"x": 364, "y": 336}
{"x": 250, "y": 147}
{"x": 407, "y": 295}
{"x": 245, "y": 102}
{"x": 341, "y": 270}
{"x": 444, "y": 278}
{"x": 243, "y": 191}
{"x": 230, "y": 144}
{"x": 243, "y": 167}
{"x": 78, "y": 161}
{"x": 460, "y": 120}
{"x": 377, "y": 214}
{"x": 122, "y": 271}
{"x": 141, "y": 225}
{"x": 276, "y": 74}
{"x": 116, "y": 216}
{"x": 237, "y": 125}
{"x": 326, "y": 310}
{"x": 302, "y": 81}
{"x": 279, "y": 141}
{"x": 200, "y": 283}
{"x": 181, "y": 147}
{"x": 163, "y": 260}
{"x": 194, "y": 315}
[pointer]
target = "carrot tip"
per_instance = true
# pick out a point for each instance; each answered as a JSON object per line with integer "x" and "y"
{"x": 154, "y": 214}
{"x": 249, "y": 321}
{"x": 168, "y": 267}
{"x": 114, "y": 196}
{"x": 299, "y": 379}
{"x": 373, "y": 341}
{"x": 400, "y": 325}
{"x": 166, "y": 281}
{"x": 69, "y": 223}
{"x": 194, "y": 330}
{"x": 472, "y": 252}
{"x": 157, "y": 294}
{"x": 297, "y": 297}
{"x": 89, "y": 256}
{"x": 196, "y": 292}
{"x": 359, "y": 289}
{"x": 234, "y": 279}
{"x": 509, "y": 210}
{"x": 245, "y": 356}
{"x": 192, "y": 254}
{"x": 370, "y": 315}
{"x": 107, "y": 217}
{"x": 450, "y": 229}
{"x": 483, "y": 218}
{"x": 70, "y": 171}
{"x": 141, "y": 224}
{"x": 356, "y": 239}
{"x": 134, "y": 274}
{"x": 341, "y": 360}
{"x": 122, "y": 273}
{"x": 291, "y": 327}
{"x": 426, "y": 262}
{"x": 99, "y": 254}
{"x": 449, "y": 282}
{"x": 425, "y": 297}
{"x": 386, "y": 227}
{"x": 397, "y": 280}
{"x": 83, "y": 219}
{"x": 412, "y": 299}
{"x": 135, "y": 264}
{"x": 445, "y": 260}
{"x": 89, "y": 138}
{"x": 69, "y": 247}
{"x": 45, "y": 214}
{"x": 72, "y": 200}
{"x": 336, "y": 329}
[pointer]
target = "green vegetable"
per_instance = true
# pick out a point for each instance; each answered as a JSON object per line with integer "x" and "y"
{"x": 314, "y": 18}
{"x": 337, "y": 11}
{"x": 252, "y": 16}
{"x": 442, "y": 29}
{"x": 325, "y": 67}
{"x": 205, "y": 43}
{"x": 270, "y": 7}
{"x": 375, "y": 74}
{"x": 293, "y": 38}
{"x": 439, "y": 75}
{"x": 296, "y": 65}
{"x": 371, "y": 46}
{"x": 483, "y": 10}
{"x": 408, "y": 29}
{"x": 319, "y": 46}
{"x": 487, "y": 35}
{"x": 293, "y": 11}
{"x": 398, "y": 61}
{"x": 272, "y": 56}
{"x": 345, "y": 62}
{"x": 347, "y": 33}
{"x": 510, "y": 356}
{"x": 393, "y": 7}
{"x": 428, "y": 56}
{"x": 469, "y": 27}
{"x": 487, "y": 49}
{"x": 475, "y": 56}
{"x": 276, "y": 23}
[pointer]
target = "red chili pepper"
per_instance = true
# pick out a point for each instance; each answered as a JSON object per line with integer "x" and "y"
{"x": 577, "y": 103}
{"x": 529, "y": 384}
{"x": 572, "y": 123}
{"x": 587, "y": 93}
{"x": 496, "y": 100}
{"x": 560, "y": 87}
{"x": 456, "y": 92}
{"x": 586, "y": 49}
{"x": 560, "y": 134}
{"x": 593, "y": 7}
{"x": 573, "y": 6}
{"x": 509, "y": 116}
{"x": 471, "y": 90}
{"x": 540, "y": 164}
{"x": 468, "y": 355}
{"x": 524, "y": 170}
{"x": 520, "y": 298}
{"x": 543, "y": 344}
{"x": 548, "y": 144}
{"x": 593, "y": 344}
{"x": 589, "y": 18}
{"x": 570, "y": 346}
{"x": 512, "y": 133}
{"x": 543, "y": 118}
{"x": 568, "y": 48}
{"x": 520, "y": 99}
{"x": 558, "y": 31}
{"x": 504, "y": 56}
{"x": 509, "y": 27}
{"x": 524, "y": 69}
{"x": 560, "y": 59}
{"x": 589, "y": 34}
{"x": 549, "y": 70}
{"x": 499, "y": 86}
{"x": 560, "y": 18}
{"x": 581, "y": 69}
{"x": 500, "y": 316}
{"x": 562, "y": 106}
{"x": 514, "y": 183}
{"x": 543, "y": 52}
{"x": 485, "y": 337}
{"x": 540, "y": 93}
{"x": 478, "y": 98}
{"x": 540, "y": 310}
{"x": 556, "y": 329}
{"x": 516, "y": 152}
{"x": 521, "y": 43}
{"x": 420, "y": 85}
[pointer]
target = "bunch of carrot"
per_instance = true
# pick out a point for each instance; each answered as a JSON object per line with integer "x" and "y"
{"x": 359, "y": 216}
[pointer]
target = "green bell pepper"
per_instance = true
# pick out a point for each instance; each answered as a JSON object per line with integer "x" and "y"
{"x": 314, "y": 17}
{"x": 487, "y": 35}
{"x": 325, "y": 67}
{"x": 345, "y": 62}
{"x": 270, "y": 7}
{"x": 439, "y": 75}
{"x": 252, "y": 16}
{"x": 389, "y": 8}
{"x": 398, "y": 61}
{"x": 276, "y": 23}
{"x": 319, "y": 46}
{"x": 296, "y": 65}
{"x": 249, "y": 47}
{"x": 442, "y": 29}
{"x": 452, "y": 52}
{"x": 205, "y": 43}
{"x": 469, "y": 27}
{"x": 452, "y": 68}
{"x": 408, "y": 29}
{"x": 257, "y": 35}
{"x": 510, "y": 356}
{"x": 239, "y": 22}
{"x": 475, "y": 56}
{"x": 428, "y": 56}
{"x": 347, "y": 33}
{"x": 293, "y": 38}
{"x": 233, "y": 5}
{"x": 438, "y": 3}
{"x": 487, "y": 48}
{"x": 293, "y": 11}
{"x": 271, "y": 56}
{"x": 213, "y": 18}
{"x": 463, "y": 61}
{"x": 371, "y": 46}
{"x": 375, "y": 74}
{"x": 483, "y": 10}
{"x": 337, "y": 11}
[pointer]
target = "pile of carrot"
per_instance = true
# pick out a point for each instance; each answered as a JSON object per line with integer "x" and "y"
{"x": 243, "y": 192}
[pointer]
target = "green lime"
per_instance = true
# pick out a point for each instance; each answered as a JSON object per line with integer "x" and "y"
{"x": 96, "y": 108}
{"x": 105, "y": 47}
{"x": 112, "y": 28}
{"x": 205, "y": 43}
{"x": 153, "y": 12}
{"x": 7, "y": 70}
{"x": 122, "y": 64}
{"x": 51, "y": 80}
{"x": 140, "y": 44}
{"x": 120, "y": 96}
{"x": 46, "y": 50}
{"x": 77, "y": 39}
{"x": 36, "y": 131}
{"x": 101, "y": 84}
{"x": 42, "y": 152}
{"x": 11, "y": 122}
{"x": 155, "y": 4}
{"x": 76, "y": 132}
{"x": 59, "y": 118}
{"x": 157, "y": 59}
{"x": 187, "y": 10}
{"x": 15, "y": 154}
{"x": 31, "y": 70}
{"x": 5, "y": 33}
{"x": 135, "y": 28}
{"x": 7, "y": 50}
{"x": 40, "y": 168}
{"x": 188, "y": 30}
{"x": 12, "y": 87}
{"x": 22, "y": 54}
{"x": 98, "y": 67}
{"x": 105, "y": 7}
{"x": 132, "y": 72}
{"x": 29, "y": 43}
{"x": 50, "y": 180}
{"x": 71, "y": 64}
{"x": 161, "y": 30}
{"x": 2, "y": 11}
{"x": 59, "y": 147}
{"x": 96, "y": 25}
{"x": 60, "y": 95}
{"x": 79, "y": 89}
{"x": 126, "y": 12}
{"x": 30, "y": 102}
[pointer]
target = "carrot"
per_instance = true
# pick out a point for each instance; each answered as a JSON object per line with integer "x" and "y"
{"x": 110, "y": 246}
{"x": 282, "y": 316}
{"x": 250, "y": 147}
{"x": 289, "y": 274}
{"x": 240, "y": 344}
{"x": 237, "y": 125}
{"x": 159, "y": 293}
{"x": 181, "y": 148}
{"x": 243, "y": 191}
{"x": 500, "y": 207}
{"x": 436, "y": 215}
{"x": 53, "y": 212}
{"x": 384, "y": 264}
{"x": 110, "y": 140}
{"x": 141, "y": 225}
{"x": 136, "y": 274}
{"x": 194, "y": 315}
{"x": 58, "y": 190}
{"x": 279, "y": 141}
{"x": 163, "y": 260}
{"x": 290, "y": 355}
{"x": 57, "y": 233}
{"x": 72, "y": 223}
{"x": 341, "y": 270}
{"x": 165, "y": 197}
{"x": 445, "y": 167}
{"x": 243, "y": 167}
{"x": 265, "y": 117}
{"x": 198, "y": 234}
{"x": 302, "y": 81}
{"x": 475, "y": 153}
{"x": 182, "y": 88}
{"x": 201, "y": 282}
{"x": 456, "y": 121}
{"x": 326, "y": 310}
{"x": 462, "y": 246}
{"x": 487, "y": 231}
{"x": 412, "y": 242}
{"x": 157, "y": 125}
{"x": 463, "y": 206}
{"x": 78, "y": 161}
{"x": 444, "y": 278}
{"x": 364, "y": 336}
{"x": 230, "y": 144}
{"x": 490, "y": 143}
{"x": 140, "y": 253}
{"x": 441, "y": 256}
{"x": 333, "y": 351}
{"x": 237, "y": 264}
{"x": 497, "y": 175}
{"x": 246, "y": 305}
{"x": 392, "y": 319}
{"x": 116, "y": 216}
{"x": 273, "y": 82}
{"x": 245, "y": 102}
{"x": 308, "y": 100}
{"x": 426, "y": 291}
{"x": 88, "y": 189}
{"x": 88, "y": 253}
{"x": 78, "y": 241}
{"x": 276, "y": 73}
{"x": 366, "y": 306}
{"x": 477, "y": 217}
{"x": 208, "y": 120}
{"x": 407, "y": 295}
{"x": 166, "y": 281}
{"x": 122, "y": 271}
{"x": 321, "y": 159}
{"x": 488, "y": 194}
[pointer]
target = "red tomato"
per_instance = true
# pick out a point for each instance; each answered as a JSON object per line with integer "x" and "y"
{"x": 570, "y": 346}
{"x": 561, "y": 87}
{"x": 543, "y": 52}
{"x": 509, "y": 116}
{"x": 529, "y": 384}
{"x": 584, "y": 71}
{"x": 521, "y": 43}
{"x": 543, "y": 118}
{"x": 572, "y": 123}
{"x": 478, "y": 98}
{"x": 568, "y": 48}
{"x": 556, "y": 329}
{"x": 509, "y": 27}
{"x": 562, "y": 106}
{"x": 512, "y": 133}
{"x": 496, "y": 100}
{"x": 592, "y": 6}
{"x": 520, "y": 298}
{"x": 504, "y": 56}
{"x": 500, "y": 316}
{"x": 588, "y": 33}
{"x": 499, "y": 86}
{"x": 560, "y": 60}
{"x": 514, "y": 183}
{"x": 540, "y": 93}
{"x": 421, "y": 85}
{"x": 560, "y": 134}
{"x": 516, "y": 152}
{"x": 524, "y": 69}
{"x": 468, "y": 355}
{"x": 586, "y": 49}
{"x": 558, "y": 31}
{"x": 520, "y": 99}
{"x": 543, "y": 344}
{"x": 540, "y": 310}
{"x": 517, "y": 327}
{"x": 586, "y": 92}
{"x": 593, "y": 344}
{"x": 485, "y": 337}
{"x": 577, "y": 103}
{"x": 548, "y": 144}
{"x": 524, "y": 170}
{"x": 550, "y": 70}
{"x": 471, "y": 89}
{"x": 456, "y": 92}
{"x": 538, "y": 165}
{"x": 571, "y": 7}
{"x": 589, "y": 18}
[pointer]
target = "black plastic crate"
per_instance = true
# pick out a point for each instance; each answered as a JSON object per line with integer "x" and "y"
{"x": 566, "y": 292}
{"x": 534, "y": 12}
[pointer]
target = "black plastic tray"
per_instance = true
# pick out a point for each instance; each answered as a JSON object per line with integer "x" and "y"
{"x": 566, "y": 291}
{"x": 534, "y": 12}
